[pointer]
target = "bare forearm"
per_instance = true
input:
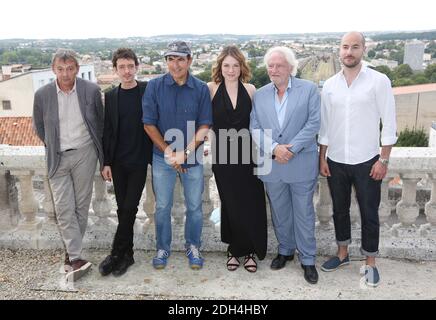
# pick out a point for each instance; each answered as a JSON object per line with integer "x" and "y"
{"x": 385, "y": 152}
{"x": 156, "y": 137}
{"x": 199, "y": 137}
{"x": 322, "y": 151}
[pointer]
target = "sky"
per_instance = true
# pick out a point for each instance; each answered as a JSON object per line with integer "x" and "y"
{"x": 78, "y": 19}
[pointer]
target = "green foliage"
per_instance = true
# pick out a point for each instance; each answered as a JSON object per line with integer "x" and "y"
{"x": 260, "y": 77}
{"x": 430, "y": 72}
{"x": 430, "y": 35}
{"x": 420, "y": 78}
{"x": 386, "y": 71}
{"x": 412, "y": 138}
{"x": 371, "y": 54}
{"x": 35, "y": 57}
{"x": 397, "y": 55}
{"x": 402, "y": 82}
{"x": 205, "y": 76}
{"x": 402, "y": 71}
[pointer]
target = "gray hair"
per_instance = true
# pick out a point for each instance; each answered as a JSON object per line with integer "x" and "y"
{"x": 64, "y": 55}
{"x": 287, "y": 53}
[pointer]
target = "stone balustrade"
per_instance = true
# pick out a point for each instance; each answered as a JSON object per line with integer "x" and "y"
{"x": 407, "y": 210}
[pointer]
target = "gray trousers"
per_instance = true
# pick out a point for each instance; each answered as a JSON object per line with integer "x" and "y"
{"x": 71, "y": 187}
{"x": 293, "y": 217}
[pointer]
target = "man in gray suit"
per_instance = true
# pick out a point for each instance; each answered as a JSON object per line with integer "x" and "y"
{"x": 284, "y": 122}
{"x": 68, "y": 118}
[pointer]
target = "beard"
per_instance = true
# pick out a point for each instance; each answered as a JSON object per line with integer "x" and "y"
{"x": 351, "y": 64}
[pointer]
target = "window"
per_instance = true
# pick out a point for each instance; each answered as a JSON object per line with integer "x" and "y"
{"x": 89, "y": 76}
{"x": 6, "y": 104}
{"x": 83, "y": 75}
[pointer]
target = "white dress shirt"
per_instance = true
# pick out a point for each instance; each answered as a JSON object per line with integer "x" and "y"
{"x": 73, "y": 131}
{"x": 350, "y": 116}
{"x": 280, "y": 107}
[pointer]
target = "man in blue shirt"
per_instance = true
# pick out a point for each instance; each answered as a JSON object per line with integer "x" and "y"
{"x": 177, "y": 113}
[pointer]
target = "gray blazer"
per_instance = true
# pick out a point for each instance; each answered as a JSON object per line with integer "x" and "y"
{"x": 300, "y": 127}
{"x": 46, "y": 118}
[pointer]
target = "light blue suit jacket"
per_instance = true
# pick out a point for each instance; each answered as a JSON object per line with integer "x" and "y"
{"x": 300, "y": 127}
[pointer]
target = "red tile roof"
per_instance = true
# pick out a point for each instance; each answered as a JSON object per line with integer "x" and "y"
{"x": 18, "y": 131}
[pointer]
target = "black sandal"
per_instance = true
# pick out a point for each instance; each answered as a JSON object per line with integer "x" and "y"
{"x": 232, "y": 266}
{"x": 252, "y": 267}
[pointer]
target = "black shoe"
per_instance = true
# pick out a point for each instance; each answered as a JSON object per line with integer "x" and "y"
{"x": 280, "y": 261}
{"x": 108, "y": 265}
{"x": 310, "y": 274}
{"x": 123, "y": 265}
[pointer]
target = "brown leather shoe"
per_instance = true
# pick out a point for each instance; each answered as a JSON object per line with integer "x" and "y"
{"x": 80, "y": 268}
{"x": 67, "y": 264}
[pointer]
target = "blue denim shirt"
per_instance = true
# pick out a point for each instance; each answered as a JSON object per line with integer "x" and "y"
{"x": 167, "y": 105}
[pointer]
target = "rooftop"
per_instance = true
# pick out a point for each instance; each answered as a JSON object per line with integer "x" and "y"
{"x": 415, "y": 89}
{"x": 18, "y": 131}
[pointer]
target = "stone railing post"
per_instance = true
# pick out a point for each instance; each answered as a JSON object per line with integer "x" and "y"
{"x": 430, "y": 208}
{"x": 8, "y": 214}
{"x": 149, "y": 204}
{"x": 48, "y": 204}
{"x": 207, "y": 202}
{"x": 324, "y": 209}
{"x": 407, "y": 208}
{"x": 28, "y": 205}
{"x": 101, "y": 204}
{"x": 384, "y": 210}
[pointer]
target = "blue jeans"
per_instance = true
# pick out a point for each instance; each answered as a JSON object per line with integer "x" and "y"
{"x": 164, "y": 180}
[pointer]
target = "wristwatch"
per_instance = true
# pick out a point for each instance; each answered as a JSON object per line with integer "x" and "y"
{"x": 384, "y": 162}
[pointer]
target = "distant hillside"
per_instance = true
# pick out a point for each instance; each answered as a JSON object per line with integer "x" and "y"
{"x": 428, "y": 35}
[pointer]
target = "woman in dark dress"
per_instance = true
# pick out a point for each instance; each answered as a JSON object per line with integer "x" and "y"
{"x": 243, "y": 209}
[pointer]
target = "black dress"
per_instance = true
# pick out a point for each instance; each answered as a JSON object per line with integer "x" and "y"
{"x": 243, "y": 209}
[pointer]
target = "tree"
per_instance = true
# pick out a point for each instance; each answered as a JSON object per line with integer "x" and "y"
{"x": 397, "y": 56}
{"x": 386, "y": 71}
{"x": 402, "y": 71}
{"x": 430, "y": 72}
{"x": 371, "y": 54}
{"x": 260, "y": 77}
{"x": 420, "y": 78}
{"x": 205, "y": 76}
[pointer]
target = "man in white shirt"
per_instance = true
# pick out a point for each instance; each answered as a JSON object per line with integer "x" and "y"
{"x": 353, "y": 103}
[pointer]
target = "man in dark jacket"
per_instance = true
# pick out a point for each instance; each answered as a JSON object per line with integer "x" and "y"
{"x": 127, "y": 153}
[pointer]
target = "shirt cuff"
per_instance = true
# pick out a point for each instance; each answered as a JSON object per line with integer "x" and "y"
{"x": 388, "y": 141}
{"x": 323, "y": 140}
{"x": 274, "y": 145}
{"x": 149, "y": 121}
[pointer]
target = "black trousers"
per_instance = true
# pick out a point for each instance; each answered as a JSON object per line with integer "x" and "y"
{"x": 128, "y": 186}
{"x": 368, "y": 190}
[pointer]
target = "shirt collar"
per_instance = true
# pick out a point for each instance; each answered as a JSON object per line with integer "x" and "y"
{"x": 289, "y": 85}
{"x": 58, "y": 89}
{"x": 170, "y": 81}
{"x": 363, "y": 70}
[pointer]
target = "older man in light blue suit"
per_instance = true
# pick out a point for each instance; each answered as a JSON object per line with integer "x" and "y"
{"x": 285, "y": 120}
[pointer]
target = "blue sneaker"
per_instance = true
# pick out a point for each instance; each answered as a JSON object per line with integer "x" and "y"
{"x": 194, "y": 256}
{"x": 160, "y": 260}
{"x": 334, "y": 263}
{"x": 371, "y": 275}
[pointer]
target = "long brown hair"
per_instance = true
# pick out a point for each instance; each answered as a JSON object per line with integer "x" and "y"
{"x": 234, "y": 52}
